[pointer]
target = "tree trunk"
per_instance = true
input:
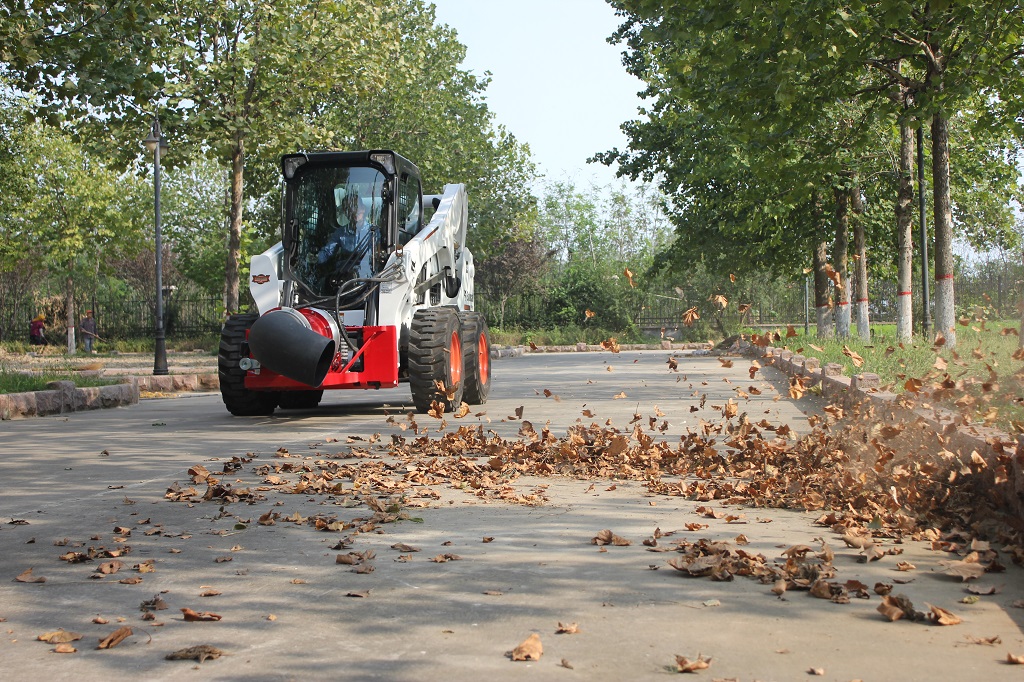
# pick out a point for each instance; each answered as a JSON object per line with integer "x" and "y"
{"x": 231, "y": 270}
{"x": 841, "y": 262}
{"x": 905, "y": 237}
{"x": 69, "y": 304}
{"x": 821, "y": 300}
{"x": 1020, "y": 337}
{"x": 945, "y": 315}
{"x": 861, "y": 254}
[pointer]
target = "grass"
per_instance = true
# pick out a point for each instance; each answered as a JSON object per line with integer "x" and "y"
{"x": 987, "y": 381}
{"x": 13, "y": 382}
{"x": 569, "y": 335}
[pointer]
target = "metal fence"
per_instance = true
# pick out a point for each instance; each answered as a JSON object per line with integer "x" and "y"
{"x": 121, "y": 318}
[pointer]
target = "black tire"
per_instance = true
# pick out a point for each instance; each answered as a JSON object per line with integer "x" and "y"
{"x": 239, "y": 400}
{"x": 435, "y": 354}
{"x": 299, "y": 400}
{"x": 476, "y": 345}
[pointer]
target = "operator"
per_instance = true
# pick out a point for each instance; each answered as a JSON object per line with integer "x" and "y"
{"x": 347, "y": 236}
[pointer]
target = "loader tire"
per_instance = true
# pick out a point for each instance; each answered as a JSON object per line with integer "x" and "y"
{"x": 239, "y": 400}
{"x": 476, "y": 345}
{"x": 299, "y": 400}
{"x": 435, "y": 355}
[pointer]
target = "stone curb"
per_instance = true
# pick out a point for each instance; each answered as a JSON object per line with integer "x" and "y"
{"x": 996, "y": 447}
{"x": 63, "y": 397}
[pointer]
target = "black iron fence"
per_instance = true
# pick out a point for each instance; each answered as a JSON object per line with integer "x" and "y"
{"x": 120, "y": 318}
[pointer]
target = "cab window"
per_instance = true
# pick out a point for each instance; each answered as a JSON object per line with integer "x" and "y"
{"x": 410, "y": 212}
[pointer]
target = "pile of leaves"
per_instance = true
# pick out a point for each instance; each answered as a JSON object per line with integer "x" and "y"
{"x": 897, "y": 477}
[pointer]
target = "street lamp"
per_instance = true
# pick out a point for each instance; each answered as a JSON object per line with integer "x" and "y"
{"x": 156, "y": 144}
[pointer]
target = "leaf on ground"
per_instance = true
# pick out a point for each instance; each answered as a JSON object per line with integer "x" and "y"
{"x": 27, "y": 577}
{"x": 984, "y": 589}
{"x": 530, "y": 649}
{"x": 941, "y": 616}
{"x": 115, "y": 638}
{"x": 685, "y": 665}
{"x": 1014, "y": 659}
{"x": 965, "y": 570}
{"x": 59, "y": 637}
{"x": 606, "y": 537}
{"x": 191, "y": 616}
{"x": 199, "y": 653}
{"x": 568, "y": 629}
{"x": 64, "y": 648}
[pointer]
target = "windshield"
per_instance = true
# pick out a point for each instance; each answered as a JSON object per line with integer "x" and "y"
{"x": 337, "y": 216}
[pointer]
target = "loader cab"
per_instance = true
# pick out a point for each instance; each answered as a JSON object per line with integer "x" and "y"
{"x": 344, "y": 213}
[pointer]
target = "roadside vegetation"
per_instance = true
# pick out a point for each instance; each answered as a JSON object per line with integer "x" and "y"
{"x": 982, "y": 379}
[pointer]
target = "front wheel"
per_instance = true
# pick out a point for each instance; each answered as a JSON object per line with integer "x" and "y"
{"x": 476, "y": 344}
{"x": 435, "y": 359}
{"x": 239, "y": 400}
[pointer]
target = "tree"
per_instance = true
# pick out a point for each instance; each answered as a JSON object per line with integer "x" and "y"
{"x": 763, "y": 79}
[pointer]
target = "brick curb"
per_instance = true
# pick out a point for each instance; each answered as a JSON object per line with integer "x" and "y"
{"x": 997, "y": 448}
{"x": 62, "y": 397}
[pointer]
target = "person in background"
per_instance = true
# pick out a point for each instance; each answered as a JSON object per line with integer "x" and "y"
{"x": 88, "y": 327}
{"x": 36, "y": 335}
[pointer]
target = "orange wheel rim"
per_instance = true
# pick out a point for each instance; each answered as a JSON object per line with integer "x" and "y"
{"x": 455, "y": 360}
{"x": 483, "y": 358}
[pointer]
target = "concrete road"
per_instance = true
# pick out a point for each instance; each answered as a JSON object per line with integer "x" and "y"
{"x": 283, "y": 599}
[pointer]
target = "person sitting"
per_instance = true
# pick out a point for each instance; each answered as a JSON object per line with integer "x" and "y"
{"x": 347, "y": 236}
{"x": 36, "y": 331}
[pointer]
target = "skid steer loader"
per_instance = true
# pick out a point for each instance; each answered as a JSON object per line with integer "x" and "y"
{"x": 359, "y": 293}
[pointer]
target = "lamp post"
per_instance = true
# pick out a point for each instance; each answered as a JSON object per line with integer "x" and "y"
{"x": 156, "y": 144}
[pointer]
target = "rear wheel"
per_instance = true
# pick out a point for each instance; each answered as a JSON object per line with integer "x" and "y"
{"x": 476, "y": 344}
{"x": 435, "y": 357}
{"x": 239, "y": 400}
{"x": 299, "y": 400}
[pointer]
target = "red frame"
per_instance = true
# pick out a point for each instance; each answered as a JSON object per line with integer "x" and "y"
{"x": 380, "y": 366}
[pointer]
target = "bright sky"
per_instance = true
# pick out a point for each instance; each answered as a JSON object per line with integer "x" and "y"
{"x": 556, "y": 83}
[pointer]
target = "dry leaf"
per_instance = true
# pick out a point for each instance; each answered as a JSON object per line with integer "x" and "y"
{"x": 530, "y": 649}
{"x": 27, "y": 577}
{"x": 568, "y": 629}
{"x": 115, "y": 638}
{"x": 606, "y": 537}
{"x": 64, "y": 648}
{"x": 59, "y": 637}
{"x": 1014, "y": 660}
{"x": 191, "y": 616}
{"x": 941, "y": 616}
{"x": 195, "y": 653}
{"x": 685, "y": 665}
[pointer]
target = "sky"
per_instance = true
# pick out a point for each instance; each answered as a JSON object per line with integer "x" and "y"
{"x": 557, "y": 84}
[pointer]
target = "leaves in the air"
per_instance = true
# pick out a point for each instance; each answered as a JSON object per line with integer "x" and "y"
{"x": 685, "y": 665}
{"x": 726, "y": 363}
{"x": 530, "y": 649}
{"x": 833, "y": 275}
{"x": 858, "y": 361}
{"x": 629, "y": 276}
{"x": 611, "y": 345}
{"x": 691, "y": 316}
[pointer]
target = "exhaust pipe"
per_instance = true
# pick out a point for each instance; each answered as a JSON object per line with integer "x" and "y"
{"x": 284, "y": 342}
